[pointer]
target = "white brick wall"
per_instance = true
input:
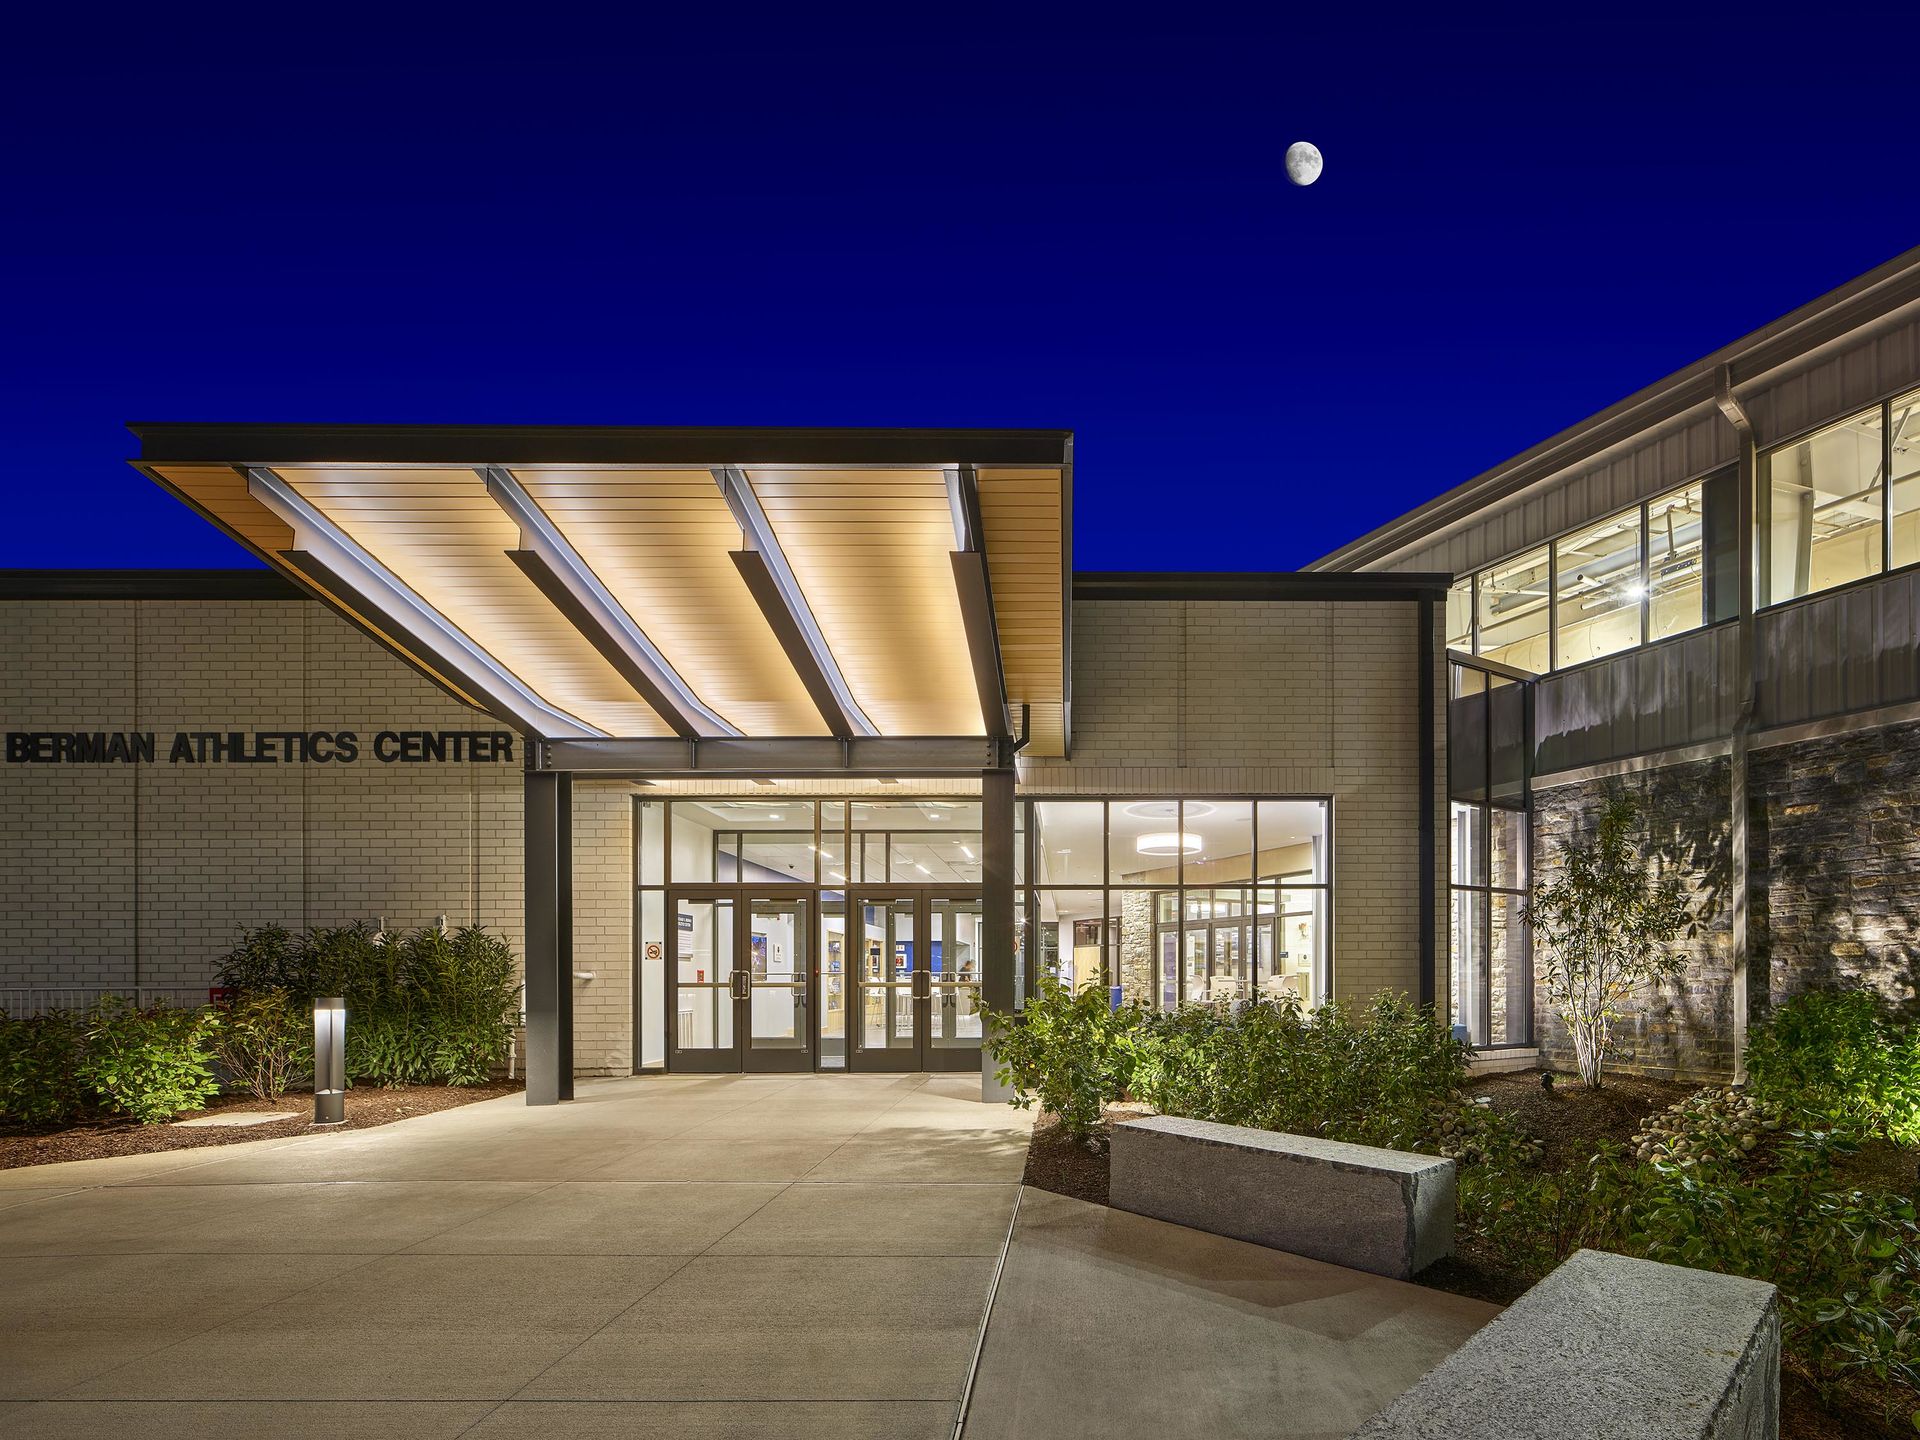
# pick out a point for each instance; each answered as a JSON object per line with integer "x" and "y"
{"x": 1274, "y": 698}
{"x": 120, "y": 874}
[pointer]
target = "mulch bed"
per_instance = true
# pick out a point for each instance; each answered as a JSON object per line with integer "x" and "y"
{"x": 367, "y": 1106}
{"x": 1569, "y": 1120}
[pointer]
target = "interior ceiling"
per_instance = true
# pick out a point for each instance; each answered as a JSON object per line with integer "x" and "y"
{"x": 869, "y": 549}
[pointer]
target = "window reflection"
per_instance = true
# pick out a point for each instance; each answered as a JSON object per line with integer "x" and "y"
{"x": 1903, "y": 440}
{"x": 1598, "y": 589}
{"x": 1513, "y": 611}
{"x": 1676, "y": 535}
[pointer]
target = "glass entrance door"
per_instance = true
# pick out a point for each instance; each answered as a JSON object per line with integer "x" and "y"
{"x": 916, "y": 999}
{"x": 741, "y": 982}
{"x": 953, "y": 1011}
{"x": 889, "y": 958}
{"x": 777, "y": 973}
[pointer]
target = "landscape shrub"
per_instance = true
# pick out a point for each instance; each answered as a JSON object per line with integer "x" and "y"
{"x": 1070, "y": 1050}
{"x": 149, "y": 1064}
{"x": 40, "y": 1082}
{"x": 423, "y": 1006}
{"x": 1722, "y": 1181}
{"x": 1843, "y": 1056}
{"x": 264, "y": 1040}
{"x": 1390, "y": 1075}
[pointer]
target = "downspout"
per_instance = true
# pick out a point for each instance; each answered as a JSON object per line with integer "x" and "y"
{"x": 1749, "y": 990}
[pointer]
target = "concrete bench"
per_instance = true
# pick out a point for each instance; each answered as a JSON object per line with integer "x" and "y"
{"x": 1383, "y": 1211}
{"x": 1607, "y": 1345}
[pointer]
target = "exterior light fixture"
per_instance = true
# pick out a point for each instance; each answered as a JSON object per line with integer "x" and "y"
{"x": 1168, "y": 842}
{"x": 329, "y": 1060}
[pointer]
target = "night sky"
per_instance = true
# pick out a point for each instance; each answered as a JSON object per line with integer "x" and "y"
{"x": 926, "y": 215}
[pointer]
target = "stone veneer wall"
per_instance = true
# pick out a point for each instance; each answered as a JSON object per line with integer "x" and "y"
{"x": 122, "y": 875}
{"x": 1682, "y": 1029}
{"x": 1836, "y": 846}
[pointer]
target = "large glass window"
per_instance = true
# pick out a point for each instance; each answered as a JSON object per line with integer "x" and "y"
{"x": 1676, "y": 578}
{"x": 1490, "y": 950}
{"x": 1204, "y": 900}
{"x": 1660, "y": 569}
{"x": 1513, "y": 612}
{"x": 1598, "y": 589}
{"x": 1819, "y": 511}
{"x": 1460, "y": 615}
{"x": 1903, "y": 446}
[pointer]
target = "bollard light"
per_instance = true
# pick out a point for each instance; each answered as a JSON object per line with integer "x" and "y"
{"x": 329, "y": 1060}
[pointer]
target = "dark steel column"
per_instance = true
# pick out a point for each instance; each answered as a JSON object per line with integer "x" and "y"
{"x": 549, "y": 889}
{"x": 1429, "y": 816}
{"x": 996, "y": 888}
{"x": 1750, "y": 981}
{"x": 996, "y": 906}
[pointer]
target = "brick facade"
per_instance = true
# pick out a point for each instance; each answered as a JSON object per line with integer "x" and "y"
{"x": 1307, "y": 698}
{"x": 122, "y": 875}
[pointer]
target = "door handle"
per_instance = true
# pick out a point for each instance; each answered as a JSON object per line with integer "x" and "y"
{"x": 922, "y": 985}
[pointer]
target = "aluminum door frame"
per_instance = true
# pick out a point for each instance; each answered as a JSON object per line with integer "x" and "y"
{"x": 741, "y": 1058}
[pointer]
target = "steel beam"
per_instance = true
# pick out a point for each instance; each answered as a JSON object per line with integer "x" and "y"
{"x": 972, "y": 583}
{"x": 856, "y": 756}
{"x": 763, "y": 565}
{"x": 547, "y": 558}
{"x": 357, "y": 576}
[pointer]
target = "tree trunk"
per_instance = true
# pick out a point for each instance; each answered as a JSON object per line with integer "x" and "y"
{"x": 1589, "y": 1040}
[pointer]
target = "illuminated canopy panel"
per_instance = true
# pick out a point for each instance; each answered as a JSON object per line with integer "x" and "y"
{"x": 845, "y": 588}
{"x": 659, "y": 541}
{"x": 1021, "y": 512}
{"x": 441, "y": 534}
{"x": 871, "y": 551}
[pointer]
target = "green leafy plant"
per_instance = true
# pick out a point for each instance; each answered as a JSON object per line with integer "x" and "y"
{"x": 1387, "y": 1075}
{"x": 1601, "y": 928}
{"x": 1069, "y": 1050}
{"x": 267, "y": 958}
{"x": 265, "y": 1039}
{"x": 1842, "y": 1056}
{"x": 149, "y": 1064}
{"x": 40, "y": 1082}
{"x": 422, "y": 1006}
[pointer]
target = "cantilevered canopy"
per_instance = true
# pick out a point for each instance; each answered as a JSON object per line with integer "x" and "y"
{"x": 699, "y": 585}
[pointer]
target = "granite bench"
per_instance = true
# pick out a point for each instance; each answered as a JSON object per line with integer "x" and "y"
{"x": 1608, "y": 1345}
{"x": 1383, "y": 1211}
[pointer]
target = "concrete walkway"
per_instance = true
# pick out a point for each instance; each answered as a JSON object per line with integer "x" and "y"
{"x": 689, "y": 1257}
{"x": 1107, "y": 1323}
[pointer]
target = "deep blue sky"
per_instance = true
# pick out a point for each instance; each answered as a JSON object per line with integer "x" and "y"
{"x": 926, "y": 215}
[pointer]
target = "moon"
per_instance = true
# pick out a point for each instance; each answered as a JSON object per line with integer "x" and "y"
{"x": 1304, "y": 163}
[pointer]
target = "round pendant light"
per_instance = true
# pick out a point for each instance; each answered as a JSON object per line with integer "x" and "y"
{"x": 1168, "y": 842}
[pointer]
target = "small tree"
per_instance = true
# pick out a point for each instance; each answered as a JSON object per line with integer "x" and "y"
{"x": 1604, "y": 925}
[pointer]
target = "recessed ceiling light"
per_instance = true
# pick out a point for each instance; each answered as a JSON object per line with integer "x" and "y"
{"x": 776, "y": 817}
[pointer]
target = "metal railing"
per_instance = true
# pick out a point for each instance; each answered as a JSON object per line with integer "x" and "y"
{"x": 22, "y": 1000}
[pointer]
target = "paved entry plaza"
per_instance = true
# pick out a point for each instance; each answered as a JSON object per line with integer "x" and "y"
{"x": 697, "y": 1257}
